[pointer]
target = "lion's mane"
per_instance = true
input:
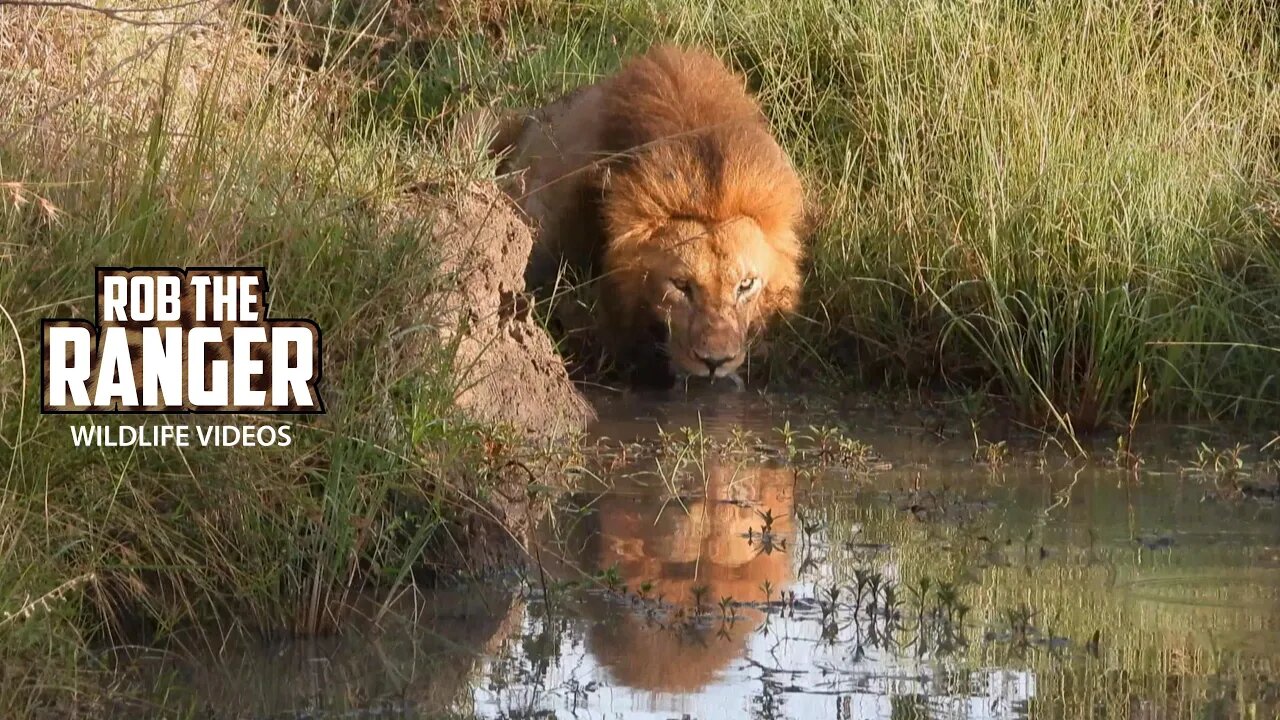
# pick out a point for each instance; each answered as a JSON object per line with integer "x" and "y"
{"x": 688, "y": 142}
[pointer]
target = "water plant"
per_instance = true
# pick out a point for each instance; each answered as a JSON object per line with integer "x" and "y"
{"x": 991, "y": 454}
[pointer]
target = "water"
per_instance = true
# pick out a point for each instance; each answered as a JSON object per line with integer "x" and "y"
{"x": 750, "y": 569}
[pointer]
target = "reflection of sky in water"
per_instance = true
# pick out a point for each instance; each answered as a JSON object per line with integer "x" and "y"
{"x": 789, "y": 670}
{"x": 614, "y": 661}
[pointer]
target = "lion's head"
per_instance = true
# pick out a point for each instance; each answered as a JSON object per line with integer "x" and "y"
{"x": 701, "y": 209}
{"x": 703, "y": 290}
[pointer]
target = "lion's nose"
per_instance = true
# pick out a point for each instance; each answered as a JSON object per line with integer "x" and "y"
{"x": 713, "y": 362}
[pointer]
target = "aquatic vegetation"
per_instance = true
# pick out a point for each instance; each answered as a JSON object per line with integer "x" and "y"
{"x": 832, "y": 446}
{"x": 1223, "y": 465}
{"x": 612, "y": 580}
{"x": 991, "y": 454}
{"x": 1123, "y": 456}
{"x": 1236, "y": 473}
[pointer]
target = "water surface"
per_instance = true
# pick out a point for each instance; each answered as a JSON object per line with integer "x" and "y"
{"x": 741, "y": 556}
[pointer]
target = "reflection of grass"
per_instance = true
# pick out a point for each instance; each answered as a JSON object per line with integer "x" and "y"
{"x": 1092, "y": 643}
{"x": 979, "y": 585}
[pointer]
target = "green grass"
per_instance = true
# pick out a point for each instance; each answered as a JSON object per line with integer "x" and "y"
{"x": 206, "y": 151}
{"x": 1080, "y": 215}
{"x": 1074, "y": 205}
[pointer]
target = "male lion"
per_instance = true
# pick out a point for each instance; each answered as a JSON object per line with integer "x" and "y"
{"x": 665, "y": 181}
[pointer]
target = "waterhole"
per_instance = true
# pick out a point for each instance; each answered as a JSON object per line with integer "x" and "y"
{"x": 757, "y": 557}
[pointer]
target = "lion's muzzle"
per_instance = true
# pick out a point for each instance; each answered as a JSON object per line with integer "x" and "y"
{"x": 715, "y": 347}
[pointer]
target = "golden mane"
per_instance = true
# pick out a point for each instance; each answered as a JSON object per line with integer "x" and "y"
{"x": 693, "y": 145}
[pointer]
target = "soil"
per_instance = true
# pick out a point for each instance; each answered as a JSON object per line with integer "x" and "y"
{"x": 509, "y": 372}
{"x": 472, "y": 312}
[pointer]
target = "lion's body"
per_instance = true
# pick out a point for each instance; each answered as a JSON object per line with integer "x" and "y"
{"x": 660, "y": 177}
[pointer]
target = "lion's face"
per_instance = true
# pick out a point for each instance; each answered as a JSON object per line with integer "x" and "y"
{"x": 709, "y": 287}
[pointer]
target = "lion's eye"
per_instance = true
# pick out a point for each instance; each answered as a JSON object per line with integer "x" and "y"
{"x": 684, "y": 286}
{"x": 747, "y": 285}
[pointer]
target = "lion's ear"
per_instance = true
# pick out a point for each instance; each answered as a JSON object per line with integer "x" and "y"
{"x": 626, "y": 239}
{"x": 506, "y": 130}
{"x": 630, "y": 219}
{"x": 812, "y": 216}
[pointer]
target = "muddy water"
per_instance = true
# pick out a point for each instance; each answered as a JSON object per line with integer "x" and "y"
{"x": 804, "y": 560}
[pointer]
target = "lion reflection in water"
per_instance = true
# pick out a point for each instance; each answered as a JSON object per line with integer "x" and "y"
{"x": 710, "y": 543}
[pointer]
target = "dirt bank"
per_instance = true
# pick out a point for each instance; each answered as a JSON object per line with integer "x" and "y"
{"x": 509, "y": 373}
{"x": 507, "y": 370}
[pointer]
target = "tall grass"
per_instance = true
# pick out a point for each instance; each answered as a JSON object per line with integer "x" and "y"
{"x": 162, "y": 146}
{"x": 1076, "y": 205}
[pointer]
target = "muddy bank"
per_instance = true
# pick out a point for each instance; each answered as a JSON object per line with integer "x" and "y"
{"x": 508, "y": 371}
